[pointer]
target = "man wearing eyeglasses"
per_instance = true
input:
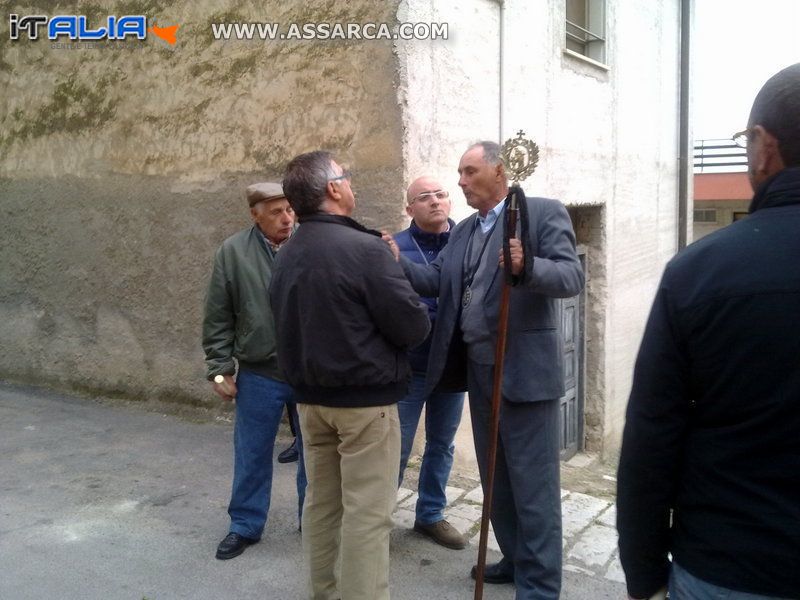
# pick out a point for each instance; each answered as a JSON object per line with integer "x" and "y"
{"x": 346, "y": 316}
{"x": 710, "y": 466}
{"x": 428, "y": 205}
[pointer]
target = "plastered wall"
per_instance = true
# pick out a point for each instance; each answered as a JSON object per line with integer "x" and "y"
{"x": 608, "y": 140}
{"x": 122, "y": 169}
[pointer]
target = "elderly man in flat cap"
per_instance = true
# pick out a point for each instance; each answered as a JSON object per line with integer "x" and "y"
{"x": 238, "y": 324}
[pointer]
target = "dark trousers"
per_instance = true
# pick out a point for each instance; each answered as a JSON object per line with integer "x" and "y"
{"x": 526, "y": 505}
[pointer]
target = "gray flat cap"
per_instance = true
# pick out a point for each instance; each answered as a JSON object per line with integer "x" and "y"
{"x": 263, "y": 191}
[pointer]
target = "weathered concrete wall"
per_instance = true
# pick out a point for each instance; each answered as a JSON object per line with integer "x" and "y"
{"x": 121, "y": 170}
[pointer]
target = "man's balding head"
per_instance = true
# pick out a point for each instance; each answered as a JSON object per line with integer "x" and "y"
{"x": 428, "y": 203}
{"x": 773, "y": 130}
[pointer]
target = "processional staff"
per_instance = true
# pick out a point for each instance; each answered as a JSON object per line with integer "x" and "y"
{"x": 519, "y": 156}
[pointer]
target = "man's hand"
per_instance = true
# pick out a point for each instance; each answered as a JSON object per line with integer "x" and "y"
{"x": 517, "y": 257}
{"x": 392, "y": 244}
{"x": 226, "y": 389}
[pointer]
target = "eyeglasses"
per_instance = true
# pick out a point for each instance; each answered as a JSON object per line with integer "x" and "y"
{"x": 346, "y": 174}
{"x": 741, "y": 138}
{"x": 425, "y": 196}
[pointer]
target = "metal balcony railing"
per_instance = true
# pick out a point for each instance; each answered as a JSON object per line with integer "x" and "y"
{"x": 719, "y": 156}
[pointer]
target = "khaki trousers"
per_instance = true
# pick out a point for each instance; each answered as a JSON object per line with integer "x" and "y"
{"x": 352, "y": 458}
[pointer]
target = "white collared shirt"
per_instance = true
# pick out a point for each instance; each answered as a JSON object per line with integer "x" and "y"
{"x": 491, "y": 217}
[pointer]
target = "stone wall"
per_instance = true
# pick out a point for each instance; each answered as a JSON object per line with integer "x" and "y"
{"x": 122, "y": 169}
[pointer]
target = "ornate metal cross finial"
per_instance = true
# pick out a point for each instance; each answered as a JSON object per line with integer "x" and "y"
{"x": 520, "y": 157}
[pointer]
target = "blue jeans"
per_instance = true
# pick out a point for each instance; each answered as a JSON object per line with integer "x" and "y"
{"x": 442, "y": 416}
{"x": 685, "y": 586}
{"x": 259, "y": 408}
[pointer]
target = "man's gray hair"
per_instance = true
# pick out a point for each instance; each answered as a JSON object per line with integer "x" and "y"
{"x": 305, "y": 181}
{"x": 491, "y": 151}
{"x": 491, "y": 154}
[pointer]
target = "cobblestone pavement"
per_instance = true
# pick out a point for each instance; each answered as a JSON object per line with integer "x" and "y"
{"x": 589, "y": 521}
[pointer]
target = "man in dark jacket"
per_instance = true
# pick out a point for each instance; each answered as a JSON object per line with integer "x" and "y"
{"x": 428, "y": 205}
{"x": 346, "y": 316}
{"x": 710, "y": 464}
{"x": 238, "y": 324}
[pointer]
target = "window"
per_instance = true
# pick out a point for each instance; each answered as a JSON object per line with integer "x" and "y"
{"x": 586, "y": 28}
{"x": 705, "y": 215}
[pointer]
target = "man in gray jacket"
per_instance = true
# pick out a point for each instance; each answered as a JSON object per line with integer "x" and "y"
{"x": 238, "y": 324}
{"x": 466, "y": 277}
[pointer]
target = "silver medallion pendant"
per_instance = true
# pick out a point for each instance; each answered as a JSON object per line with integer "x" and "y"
{"x": 467, "y": 297}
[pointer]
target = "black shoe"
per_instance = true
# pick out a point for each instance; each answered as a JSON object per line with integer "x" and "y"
{"x": 500, "y": 572}
{"x": 289, "y": 455}
{"x": 233, "y": 545}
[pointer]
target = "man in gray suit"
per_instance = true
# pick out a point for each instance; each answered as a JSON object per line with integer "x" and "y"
{"x": 467, "y": 277}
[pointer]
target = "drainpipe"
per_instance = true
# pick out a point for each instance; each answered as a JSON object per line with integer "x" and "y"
{"x": 500, "y": 72}
{"x": 685, "y": 146}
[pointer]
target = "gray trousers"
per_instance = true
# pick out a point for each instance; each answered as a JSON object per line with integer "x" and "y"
{"x": 526, "y": 506}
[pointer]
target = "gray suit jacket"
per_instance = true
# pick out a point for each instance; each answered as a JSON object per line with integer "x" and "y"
{"x": 533, "y": 368}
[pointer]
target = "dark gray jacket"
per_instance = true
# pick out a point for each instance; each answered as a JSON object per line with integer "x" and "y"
{"x": 534, "y": 364}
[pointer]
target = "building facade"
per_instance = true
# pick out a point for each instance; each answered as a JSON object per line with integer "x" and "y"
{"x": 122, "y": 165}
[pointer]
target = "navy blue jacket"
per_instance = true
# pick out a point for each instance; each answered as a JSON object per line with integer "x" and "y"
{"x": 713, "y": 421}
{"x": 426, "y": 249}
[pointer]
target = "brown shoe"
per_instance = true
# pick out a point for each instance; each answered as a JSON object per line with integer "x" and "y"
{"x": 442, "y": 533}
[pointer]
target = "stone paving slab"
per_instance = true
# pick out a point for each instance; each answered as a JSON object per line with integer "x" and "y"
{"x": 452, "y": 494}
{"x": 403, "y": 493}
{"x": 589, "y": 527}
{"x": 595, "y": 546}
{"x": 410, "y": 502}
{"x": 476, "y": 495}
{"x": 491, "y": 542}
{"x": 464, "y": 517}
{"x": 609, "y": 517}
{"x": 469, "y": 512}
{"x": 614, "y": 571}
{"x": 579, "y": 511}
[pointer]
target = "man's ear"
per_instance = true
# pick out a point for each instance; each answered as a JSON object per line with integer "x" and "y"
{"x": 254, "y": 212}
{"x": 500, "y": 172}
{"x": 409, "y": 212}
{"x": 333, "y": 192}
{"x": 767, "y": 158}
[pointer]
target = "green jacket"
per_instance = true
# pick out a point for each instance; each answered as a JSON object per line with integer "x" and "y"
{"x": 238, "y": 317}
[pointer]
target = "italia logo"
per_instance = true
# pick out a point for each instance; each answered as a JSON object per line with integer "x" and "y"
{"x": 76, "y": 27}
